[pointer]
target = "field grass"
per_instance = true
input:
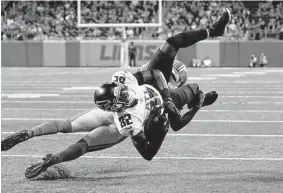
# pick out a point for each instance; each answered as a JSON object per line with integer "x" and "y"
{"x": 235, "y": 145}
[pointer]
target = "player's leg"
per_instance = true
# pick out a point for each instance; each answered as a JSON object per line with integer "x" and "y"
{"x": 186, "y": 94}
{"x": 189, "y": 94}
{"x": 82, "y": 122}
{"x": 131, "y": 60}
{"x": 101, "y": 138}
{"x": 90, "y": 120}
{"x": 47, "y": 128}
{"x": 164, "y": 57}
{"x": 134, "y": 60}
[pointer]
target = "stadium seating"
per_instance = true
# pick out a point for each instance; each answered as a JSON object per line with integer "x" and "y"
{"x": 37, "y": 20}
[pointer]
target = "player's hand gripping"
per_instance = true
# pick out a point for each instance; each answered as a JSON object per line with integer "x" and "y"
{"x": 169, "y": 106}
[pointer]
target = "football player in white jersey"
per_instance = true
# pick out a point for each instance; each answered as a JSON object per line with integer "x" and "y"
{"x": 130, "y": 108}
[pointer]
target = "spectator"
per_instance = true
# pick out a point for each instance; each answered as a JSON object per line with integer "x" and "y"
{"x": 280, "y": 35}
{"x": 132, "y": 54}
{"x": 206, "y": 62}
{"x": 263, "y": 60}
{"x": 253, "y": 61}
{"x": 196, "y": 62}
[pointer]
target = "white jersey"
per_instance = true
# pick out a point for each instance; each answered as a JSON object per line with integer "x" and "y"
{"x": 130, "y": 122}
{"x": 253, "y": 59}
{"x": 263, "y": 59}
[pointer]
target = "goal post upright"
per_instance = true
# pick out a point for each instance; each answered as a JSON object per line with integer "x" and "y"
{"x": 124, "y": 42}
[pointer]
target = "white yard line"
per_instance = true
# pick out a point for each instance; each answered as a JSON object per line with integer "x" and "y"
{"x": 56, "y": 95}
{"x": 179, "y": 134}
{"x": 251, "y": 102}
{"x": 84, "y": 83}
{"x": 35, "y": 88}
{"x": 202, "y": 110}
{"x": 82, "y": 86}
{"x": 245, "y": 96}
{"x": 163, "y": 157}
{"x": 204, "y": 120}
{"x": 91, "y": 102}
{"x": 42, "y": 109}
{"x": 237, "y": 90}
{"x": 44, "y": 101}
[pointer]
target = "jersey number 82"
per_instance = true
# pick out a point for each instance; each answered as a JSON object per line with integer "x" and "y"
{"x": 125, "y": 120}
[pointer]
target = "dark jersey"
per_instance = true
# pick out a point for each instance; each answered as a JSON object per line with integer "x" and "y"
{"x": 132, "y": 50}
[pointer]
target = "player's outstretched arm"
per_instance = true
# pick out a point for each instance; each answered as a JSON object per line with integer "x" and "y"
{"x": 143, "y": 146}
{"x": 178, "y": 123}
{"x": 149, "y": 145}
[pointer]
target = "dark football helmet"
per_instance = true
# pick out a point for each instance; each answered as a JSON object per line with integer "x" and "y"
{"x": 113, "y": 97}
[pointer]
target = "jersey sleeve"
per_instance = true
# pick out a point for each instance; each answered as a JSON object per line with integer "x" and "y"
{"x": 128, "y": 124}
{"x": 144, "y": 67}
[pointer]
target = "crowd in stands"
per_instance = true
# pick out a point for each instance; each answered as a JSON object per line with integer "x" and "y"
{"x": 58, "y": 19}
{"x": 249, "y": 19}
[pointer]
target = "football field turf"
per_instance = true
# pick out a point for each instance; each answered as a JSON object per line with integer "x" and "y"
{"x": 235, "y": 145}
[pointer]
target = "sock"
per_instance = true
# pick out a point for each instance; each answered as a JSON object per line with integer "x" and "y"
{"x": 186, "y": 39}
{"x": 73, "y": 152}
{"x": 51, "y": 127}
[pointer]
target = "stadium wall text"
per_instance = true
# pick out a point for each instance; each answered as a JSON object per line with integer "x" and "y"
{"x": 107, "y": 53}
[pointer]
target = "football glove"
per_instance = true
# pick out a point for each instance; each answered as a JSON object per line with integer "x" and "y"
{"x": 156, "y": 125}
{"x": 169, "y": 106}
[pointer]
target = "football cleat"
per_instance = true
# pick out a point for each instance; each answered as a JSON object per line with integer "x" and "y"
{"x": 205, "y": 99}
{"x": 35, "y": 169}
{"x": 12, "y": 140}
{"x": 210, "y": 98}
{"x": 219, "y": 27}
